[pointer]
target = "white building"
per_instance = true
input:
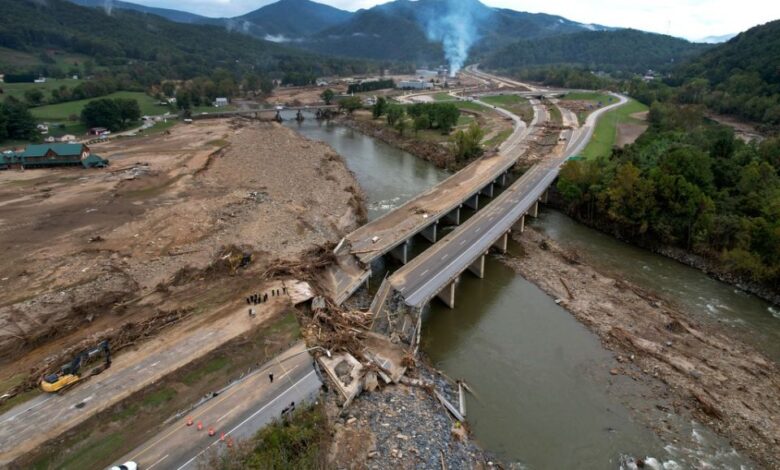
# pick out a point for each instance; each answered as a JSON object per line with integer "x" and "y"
{"x": 220, "y": 102}
{"x": 40, "y": 80}
{"x": 415, "y": 85}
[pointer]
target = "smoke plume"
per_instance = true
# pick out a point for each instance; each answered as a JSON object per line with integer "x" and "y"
{"x": 455, "y": 28}
{"x": 108, "y": 6}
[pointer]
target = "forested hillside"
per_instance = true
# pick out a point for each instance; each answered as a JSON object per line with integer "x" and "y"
{"x": 740, "y": 77}
{"x": 149, "y": 48}
{"x": 622, "y": 50}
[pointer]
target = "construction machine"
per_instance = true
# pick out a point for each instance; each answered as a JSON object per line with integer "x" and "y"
{"x": 70, "y": 373}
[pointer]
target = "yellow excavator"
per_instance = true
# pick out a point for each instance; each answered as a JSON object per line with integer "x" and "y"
{"x": 70, "y": 373}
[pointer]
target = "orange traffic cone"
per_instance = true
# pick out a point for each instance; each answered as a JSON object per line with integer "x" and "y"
{"x": 189, "y": 421}
{"x": 211, "y": 431}
{"x": 200, "y": 425}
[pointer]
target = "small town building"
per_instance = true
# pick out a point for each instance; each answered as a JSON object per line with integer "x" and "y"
{"x": 415, "y": 85}
{"x": 51, "y": 156}
{"x": 42, "y": 128}
{"x": 99, "y": 131}
{"x": 67, "y": 138}
{"x": 40, "y": 80}
{"x": 220, "y": 102}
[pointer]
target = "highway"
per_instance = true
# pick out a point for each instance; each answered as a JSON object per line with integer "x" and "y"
{"x": 30, "y": 424}
{"x": 425, "y": 276}
{"x": 238, "y": 412}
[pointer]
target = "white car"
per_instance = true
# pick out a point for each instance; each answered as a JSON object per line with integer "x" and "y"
{"x": 130, "y": 465}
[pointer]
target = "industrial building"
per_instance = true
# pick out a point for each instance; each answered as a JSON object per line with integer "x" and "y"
{"x": 415, "y": 85}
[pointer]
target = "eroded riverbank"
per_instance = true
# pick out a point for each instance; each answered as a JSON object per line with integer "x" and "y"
{"x": 719, "y": 380}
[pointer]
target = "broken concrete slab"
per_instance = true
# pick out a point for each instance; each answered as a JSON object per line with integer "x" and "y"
{"x": 346, "y": 373}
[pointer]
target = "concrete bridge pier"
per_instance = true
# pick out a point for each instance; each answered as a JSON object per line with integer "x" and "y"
{"x": 487, "y": 190}
{"x": 501, "y": 180}
{"x": 502, "y": 242}
{"x": 429, "y": 233}
{"x": 447, "y": 295}
{"x": 453, "y": 216}
{"x": 521, "y": 222}
{"x": 545, "y": 196}
{"x": 401, "y": 252}
{"x": 472, "y": 202}
{"x": 535, "y": 210}
{"x": 478, "y": 267}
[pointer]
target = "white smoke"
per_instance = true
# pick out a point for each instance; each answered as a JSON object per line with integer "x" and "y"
{"x": 456, "y": 29}
{"x": 276, "y": 38}
{"x": 108, "y": 6}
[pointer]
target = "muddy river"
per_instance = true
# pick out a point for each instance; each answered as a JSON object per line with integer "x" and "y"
{"x": 544, "y": 395}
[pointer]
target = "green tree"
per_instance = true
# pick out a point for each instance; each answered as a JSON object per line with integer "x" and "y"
{"x": 421, "y": 123}
{"x": 20, "y": 123}
{"x": 129, "y": 111}
{"x": 379, "y": 108}
{"x": 468, "y": 143}
{"x": 33, "y": 96}
{"x": 350, "y": 104}
{"x": 102, "y": 112}
{"x": 401, "y": 125}
{"x": 327, "y": 96}
{"x": 395, "y": 113}
{"x": 168, "y": 89}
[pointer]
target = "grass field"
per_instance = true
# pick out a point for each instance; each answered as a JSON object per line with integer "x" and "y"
{"x": 61, "y": 111}
{"x": 513, "y": 103}
{"x": 605, "y": 134}
{"x": 17, "y": 89}
{"x": 442, "y": 96}
{"x": 589, "y": 96}
{"x": 470, "y": 106}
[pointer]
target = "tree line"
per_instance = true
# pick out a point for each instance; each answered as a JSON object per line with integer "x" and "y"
{"x": 687, "y": 183}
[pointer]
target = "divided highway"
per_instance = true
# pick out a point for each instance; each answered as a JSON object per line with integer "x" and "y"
{"x": 428, "y": 274}
{"x": 236, "y": 413}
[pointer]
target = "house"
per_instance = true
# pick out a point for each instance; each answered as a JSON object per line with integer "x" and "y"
{"x": 220, "y": 102}
{"x": 415, "y": 85}
{"x": 53, "y": 155}
{"x": 68, "y": 138}
{"x": 49, "y": 139}
{"x": 322, "y": 82}
{"x": 40, "y": 80}
{"x": 99, "y": 131}
{"x": 42, "y": 128}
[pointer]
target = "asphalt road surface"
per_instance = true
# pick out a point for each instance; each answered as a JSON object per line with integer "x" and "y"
{"x": 28, "y": 425}
{"x": 238, "y": 412}
{"x": 421, "y": 279}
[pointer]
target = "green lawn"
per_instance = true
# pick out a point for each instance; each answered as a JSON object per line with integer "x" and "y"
{"x": 442, "y": 96}
{"x": 589, "y": 96}
{"x": 605, "y": 135}
{"x": 555, "y": 114}
{"x": 17, "y": 89}
{"x": 470, "y": 106}
{"x": 499, "y": 138}
{"x": 61, "y": 111}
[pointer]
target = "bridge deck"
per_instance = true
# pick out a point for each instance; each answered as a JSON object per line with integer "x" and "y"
{"x": 399, "y": 225}
{"x": 425, "y": 276}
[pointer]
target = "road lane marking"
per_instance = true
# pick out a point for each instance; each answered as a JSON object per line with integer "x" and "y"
{"x": 152, "y": 465}
{"x": 247, "y": 419}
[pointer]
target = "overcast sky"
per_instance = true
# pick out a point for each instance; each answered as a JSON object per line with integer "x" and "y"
{"x": 692, "y": 19}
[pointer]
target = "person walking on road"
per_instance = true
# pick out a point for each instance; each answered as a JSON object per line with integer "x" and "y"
{"x": 271, "y": 377}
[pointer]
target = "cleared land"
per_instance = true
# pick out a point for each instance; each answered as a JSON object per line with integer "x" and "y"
{"x": 158, "y": 236}
{"x": 17, "y": 89}
{"x": 606, "y": 134}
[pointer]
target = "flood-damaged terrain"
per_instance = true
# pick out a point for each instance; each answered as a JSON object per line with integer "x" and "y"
{"x": 124, "y": 252}
{"x": 694, "y": 365}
